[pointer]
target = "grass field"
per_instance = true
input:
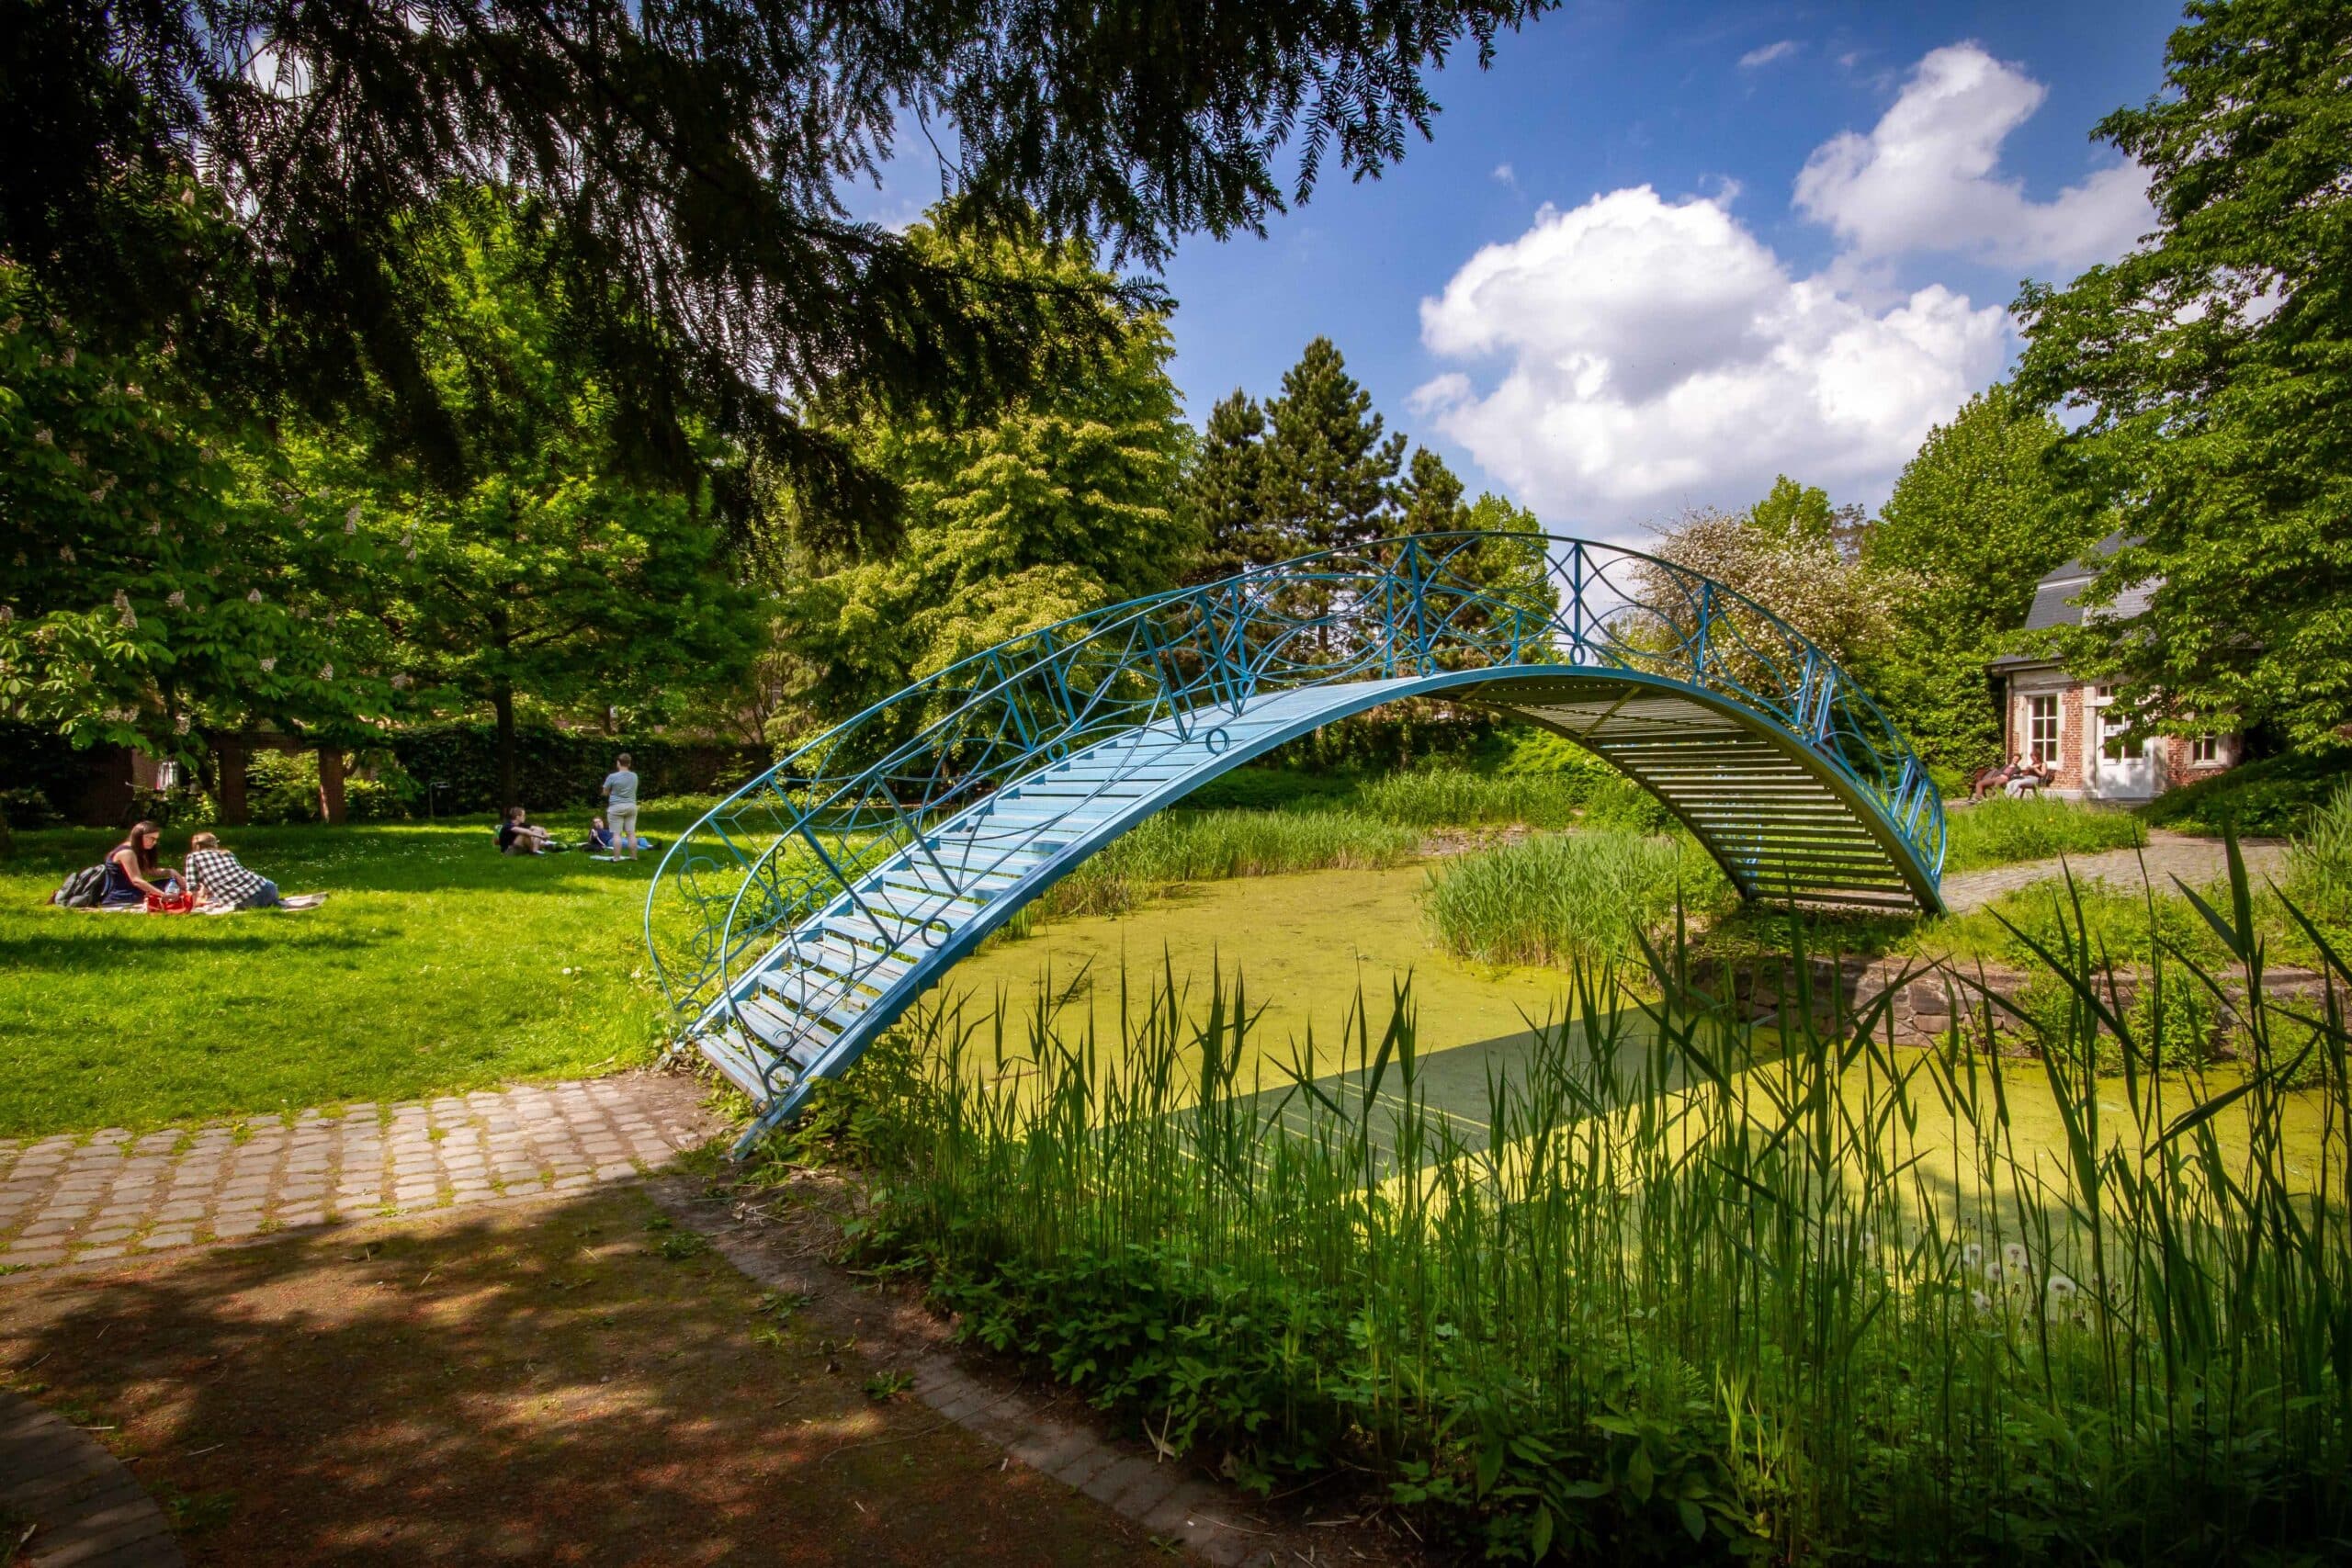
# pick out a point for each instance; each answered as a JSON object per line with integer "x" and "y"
{"x": 434, "y": 966}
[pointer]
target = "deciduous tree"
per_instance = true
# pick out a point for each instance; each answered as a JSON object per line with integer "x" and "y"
{"x": 2214, "y": 366}
{"x": 1063, "y": 502}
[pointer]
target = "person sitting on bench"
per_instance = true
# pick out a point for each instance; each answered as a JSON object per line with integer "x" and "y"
{"x": 2031, "y": 778}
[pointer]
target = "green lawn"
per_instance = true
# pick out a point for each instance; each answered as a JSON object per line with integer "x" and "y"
{"x": 434, "y": 966}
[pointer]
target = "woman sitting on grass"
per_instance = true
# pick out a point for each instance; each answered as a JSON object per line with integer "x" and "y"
{"x": 600, "y": 837}
{"x": 133, "y": 872}
{"x": 219, "y": 882}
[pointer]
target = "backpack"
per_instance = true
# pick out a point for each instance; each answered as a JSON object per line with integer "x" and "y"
{"x": 81, "y": 890}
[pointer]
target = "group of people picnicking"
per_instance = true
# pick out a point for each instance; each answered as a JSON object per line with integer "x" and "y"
{"x": 211, "y": 881}
{"x": 2021, "y": 774}
{"x": 612, "y": 836}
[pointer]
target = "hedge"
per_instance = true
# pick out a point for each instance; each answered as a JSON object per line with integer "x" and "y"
{"x": 555, "y": 768}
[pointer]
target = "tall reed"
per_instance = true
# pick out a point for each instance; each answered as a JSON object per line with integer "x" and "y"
{"x": 1212, "y": 846}
{"x": 1558, "y": 897}
{"x": 1675, "y": 1290}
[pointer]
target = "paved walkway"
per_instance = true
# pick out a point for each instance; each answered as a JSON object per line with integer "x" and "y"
{"x": 109, "y": 1194}
{"x": 2195, "y": 861}
{"x": 80, "y": 1502}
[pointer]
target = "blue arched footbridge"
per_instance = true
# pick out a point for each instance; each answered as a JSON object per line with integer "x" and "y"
{"x": 801, "y": 916}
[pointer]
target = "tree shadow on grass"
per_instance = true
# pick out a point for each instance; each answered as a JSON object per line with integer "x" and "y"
{"x": 568, "y": 1384}
{"x": 95, "y": 956}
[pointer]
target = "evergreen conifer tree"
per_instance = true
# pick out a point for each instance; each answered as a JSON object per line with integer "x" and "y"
{"x": 1223, "y": 492}
{"x": 1429, "y": 500}
{"x": 1331, "y": 472}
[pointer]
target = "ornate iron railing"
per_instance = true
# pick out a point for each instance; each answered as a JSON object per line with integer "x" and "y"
{"x": 797, "y": 838}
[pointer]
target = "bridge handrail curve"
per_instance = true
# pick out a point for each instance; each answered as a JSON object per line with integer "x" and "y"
{"x": 1716, "y": 639}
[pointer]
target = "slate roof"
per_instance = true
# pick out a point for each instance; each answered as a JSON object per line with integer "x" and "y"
{"x": 2054, "y": 598}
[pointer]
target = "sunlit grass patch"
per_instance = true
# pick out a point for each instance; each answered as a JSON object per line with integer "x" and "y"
{"x": 2001, "y": 831}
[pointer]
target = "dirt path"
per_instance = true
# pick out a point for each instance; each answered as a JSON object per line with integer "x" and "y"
{"x": 2193, "y": 859}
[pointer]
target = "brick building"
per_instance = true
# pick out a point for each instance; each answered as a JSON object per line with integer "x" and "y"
{"x": 2065, "y": 723}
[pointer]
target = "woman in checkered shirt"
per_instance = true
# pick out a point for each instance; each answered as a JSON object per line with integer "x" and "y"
{"x": 217, "y": 880}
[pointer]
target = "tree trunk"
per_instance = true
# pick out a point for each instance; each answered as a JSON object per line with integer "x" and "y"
{"x": 331, "y": 785}
{"x": 229, "y": 765}
{"x": 501, "y": 701}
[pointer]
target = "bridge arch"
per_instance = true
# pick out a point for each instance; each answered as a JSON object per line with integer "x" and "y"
{"x": 801, "y": 916}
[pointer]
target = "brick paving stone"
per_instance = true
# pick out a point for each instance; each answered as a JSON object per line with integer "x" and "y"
{"x": 63, "y": 1198}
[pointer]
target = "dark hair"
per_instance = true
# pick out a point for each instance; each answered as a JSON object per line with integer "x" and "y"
{"x": 142, "y": 852}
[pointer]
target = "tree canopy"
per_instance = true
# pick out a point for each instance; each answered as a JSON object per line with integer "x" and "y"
{"x": 692, "y": 157}
{"x": 553, "y": 576}
{"x": 1976, "y": 519}
{"x": 2214, "y": 368}
{"x": 1066, "y": 501}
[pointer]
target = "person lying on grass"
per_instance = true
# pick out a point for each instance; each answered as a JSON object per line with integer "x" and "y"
{"x": 217, "y": 880}
{"x": 600, "y": 838}
{"x": 516, "y": 837}
{"x": 134, "y": 872}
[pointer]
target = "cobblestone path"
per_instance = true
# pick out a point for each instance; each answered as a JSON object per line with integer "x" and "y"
{"x": 2195, "y": 861}
{"x": 81, "y": 1198}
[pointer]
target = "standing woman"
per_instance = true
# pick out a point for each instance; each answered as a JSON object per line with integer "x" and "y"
{"x": 132, "y": 870}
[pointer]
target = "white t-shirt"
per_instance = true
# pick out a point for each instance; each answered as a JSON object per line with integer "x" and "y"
{"x": 620, "y": 788}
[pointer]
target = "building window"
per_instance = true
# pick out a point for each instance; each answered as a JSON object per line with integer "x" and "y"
{"x": 2041, "y": 728}
{"x": 2115, "y": 746}
{"x": 2205, "y": 750}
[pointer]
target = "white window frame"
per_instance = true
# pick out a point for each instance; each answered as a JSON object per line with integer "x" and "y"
{"x": 2205, "y": 750}
{"x": 2042, "y": 747}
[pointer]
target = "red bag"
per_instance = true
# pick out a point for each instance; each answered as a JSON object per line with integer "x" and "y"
{"x": 177, "y": 904}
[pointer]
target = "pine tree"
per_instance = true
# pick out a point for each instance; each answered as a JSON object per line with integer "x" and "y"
{"x": 1429, "y": 501}
{"x": 1223, "y": 492}
{"x": 1329, "y": 473}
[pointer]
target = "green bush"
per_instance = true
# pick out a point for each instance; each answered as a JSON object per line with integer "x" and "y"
{"x": 2271, "y": 798}
{"x": 557, "y": 768}
{"x": 1565, "y": 897}
{"x": 2002, "y": 831}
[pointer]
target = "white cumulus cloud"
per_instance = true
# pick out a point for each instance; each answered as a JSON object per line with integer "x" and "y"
{"x": 1927, "y": 177}
{"x": 1655, "y": 354}
{"x": 1769, "y": 53}
{"x": 1636, "y": 354}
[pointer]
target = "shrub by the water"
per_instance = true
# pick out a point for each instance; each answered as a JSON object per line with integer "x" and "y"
{"x": 1455, "y": 797}
{"x": 1699, "y": 1298}
{"x": 1567, "y": 895}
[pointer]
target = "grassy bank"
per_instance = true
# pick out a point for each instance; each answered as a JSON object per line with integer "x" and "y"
{"x": 435, "y": 966}
{"x": 1691, "y": 1300}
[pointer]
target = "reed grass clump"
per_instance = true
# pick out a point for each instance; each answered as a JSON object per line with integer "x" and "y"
{"x": 1212, "y": 846}
{"x": 1690, "y": 1294}
{"x": 1455, "y": 797}
{"x": 2319, "y": 860}
{"x": 2002, "y": 831}
{"x": 1565, "y": 897}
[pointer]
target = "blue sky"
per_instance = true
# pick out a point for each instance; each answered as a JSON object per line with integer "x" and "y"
{"x": 1661, "y": 252}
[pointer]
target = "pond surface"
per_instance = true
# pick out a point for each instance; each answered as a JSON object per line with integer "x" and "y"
{"x": 1309, "y": 948}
